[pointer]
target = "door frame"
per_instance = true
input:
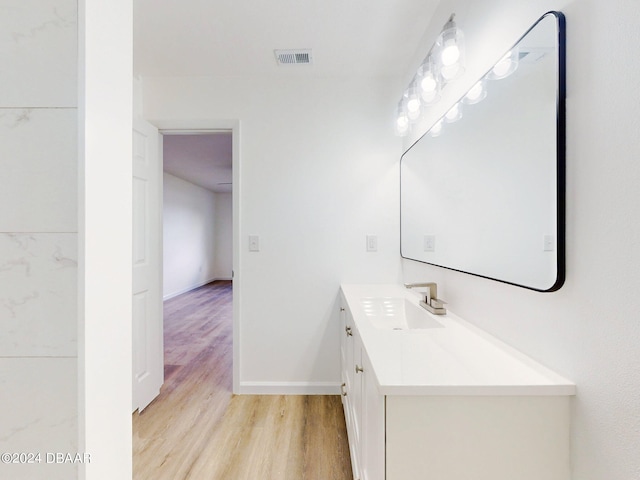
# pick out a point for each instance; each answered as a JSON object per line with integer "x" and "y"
{"x": 191, "y": 126}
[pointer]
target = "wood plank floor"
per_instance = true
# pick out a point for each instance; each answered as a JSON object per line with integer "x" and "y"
{"x": 197, "y": 429}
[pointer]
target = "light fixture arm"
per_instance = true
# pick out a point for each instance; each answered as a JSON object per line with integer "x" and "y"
{"x": 450, "y": 23}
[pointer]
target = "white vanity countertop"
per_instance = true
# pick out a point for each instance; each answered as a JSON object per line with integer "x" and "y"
{"x": 455, "y": 358}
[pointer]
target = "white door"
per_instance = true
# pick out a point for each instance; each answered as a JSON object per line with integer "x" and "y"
{"x": 148, "y": 357}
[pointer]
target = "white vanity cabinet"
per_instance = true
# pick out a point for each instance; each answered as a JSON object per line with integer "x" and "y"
{"x": 449, "y": 403}
{"x": 363, "y": 405}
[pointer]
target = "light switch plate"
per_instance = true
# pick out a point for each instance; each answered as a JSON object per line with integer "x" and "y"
{"x": 549, "y": 243}
{"x": 429, "y": 243}
{"x": 372, "y": 243}
{"x": 254, "y": 243}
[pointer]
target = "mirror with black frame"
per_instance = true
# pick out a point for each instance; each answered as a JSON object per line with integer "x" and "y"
{"x": 485, "y": 195}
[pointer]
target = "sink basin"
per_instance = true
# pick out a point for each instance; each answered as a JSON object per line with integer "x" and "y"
{"x": 397, "y": 314}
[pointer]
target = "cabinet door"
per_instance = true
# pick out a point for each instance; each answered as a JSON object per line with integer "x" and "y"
{"x": 346, "y": 360}
{"x": 346, "y": 350}
{"x": 372, "y": 444}
{"x": 363, "y": 405}
{"x": 356, "y": 387}
{"x": 351, "y": 393}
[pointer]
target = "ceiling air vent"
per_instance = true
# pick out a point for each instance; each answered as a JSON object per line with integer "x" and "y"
{"x": 294, "y": 57}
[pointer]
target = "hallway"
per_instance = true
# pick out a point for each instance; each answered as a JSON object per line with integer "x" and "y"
{"x": 197, "y": 429}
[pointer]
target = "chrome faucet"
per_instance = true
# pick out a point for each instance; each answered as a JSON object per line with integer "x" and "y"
{"x": 430, "y": 300}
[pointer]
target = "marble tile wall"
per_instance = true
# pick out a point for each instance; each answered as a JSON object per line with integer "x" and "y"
{"x": 38, "y": 235}
{"x": 41, "y": 398}
{"x": 38, "y": 49}
{"x": 38, "y": 163}
{"x": 38, "y": 290}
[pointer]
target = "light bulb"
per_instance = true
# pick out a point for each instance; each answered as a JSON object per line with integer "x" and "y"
{"x": 450, "y": 55}
{"x": 402, "y": 120}
{"x": 505, "y": 66}
{"x": 454, "y": 114}
{"x": 450, "y": 48}
{"x": 428, "y": 84}
{"x": 436, "y": 129}
{"x": 402, "y": 125}
{"x": 502, "y": 67}
{"x": 476, "y": 94}
{"x": 413, "y": 103}
{"x": 413, "y": 109}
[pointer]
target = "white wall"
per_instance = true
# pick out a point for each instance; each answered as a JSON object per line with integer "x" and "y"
{"x": 224, "y": 236}
{"x": 38, "y": 234}
{"x": 318, "y": 172}
{"x": 189, "y": 236}
{"x": 105, "y": 247}
{"x": 589, "y": 329}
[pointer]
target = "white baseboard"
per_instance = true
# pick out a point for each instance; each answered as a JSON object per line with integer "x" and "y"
{"x": 193, "y": 287}
{"x": 289, "y": 388}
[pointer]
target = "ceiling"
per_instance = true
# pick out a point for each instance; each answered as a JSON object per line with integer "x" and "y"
{"x": 361, "y": 38}
{"x": 202, "y": 159}
{"x": 231, "y": 37}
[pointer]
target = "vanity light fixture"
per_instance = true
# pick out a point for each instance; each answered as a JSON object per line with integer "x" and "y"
{"x": 444, "y": 63}
{"x": 432, "y": 75}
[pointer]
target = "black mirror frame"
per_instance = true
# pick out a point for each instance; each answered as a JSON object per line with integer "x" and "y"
{"x": 560, "y": 165}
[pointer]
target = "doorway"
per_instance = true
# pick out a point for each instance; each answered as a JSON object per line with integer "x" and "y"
{"x": 205, "y": 127}
{"x": 200, "y": 223}
{"x": 197, "y": 210}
